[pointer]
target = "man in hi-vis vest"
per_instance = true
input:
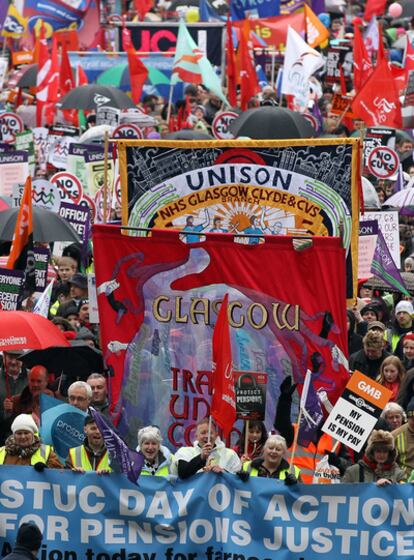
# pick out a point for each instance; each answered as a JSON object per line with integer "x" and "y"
{"x": 92, "y": 455}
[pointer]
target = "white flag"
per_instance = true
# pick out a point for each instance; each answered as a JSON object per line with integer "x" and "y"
{"x": 301, "y": 61}
{"x": 43, "y": 303}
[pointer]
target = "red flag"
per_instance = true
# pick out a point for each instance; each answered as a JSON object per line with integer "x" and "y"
{"x": 223, "y": 404}
{"x": 231, "y": 66}
{"x": 142, "y": 7}
{"x": 67, "y": 81}
{"x": 377, "y": 104}
{"x": 44, "y": 65}
{"x": 374, "y": 8}
{"x": 21, "y": 255}
{"x": 81, "y": 77}
{"x": 126, "y": 39}
{"x": 409, "y": 57}
{"x": 362, "y": 60}
{"x": 249, "y": 84}
{"x": 381, "y": 49}
{"x": 138, "y": 73}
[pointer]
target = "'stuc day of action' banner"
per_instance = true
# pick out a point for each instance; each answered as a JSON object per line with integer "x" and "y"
{"x": 291, "y": 187}
{"x": 158, "y": 301}
{"x": 207, "y": 517}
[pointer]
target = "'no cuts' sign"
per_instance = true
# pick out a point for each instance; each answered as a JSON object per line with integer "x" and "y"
{"x": 383, "y": 162}
{"x": 221, "y": 125}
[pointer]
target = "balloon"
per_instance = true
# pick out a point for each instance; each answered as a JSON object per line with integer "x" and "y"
{"x": 325, "y": 19}
{"x": 395, "y": 10}
{"x": 192, "y": 15}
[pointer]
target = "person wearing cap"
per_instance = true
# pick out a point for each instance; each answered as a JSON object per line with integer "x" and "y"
{"x": 28, "y": 541}
{"x": 369, "y": 359}
{"x": 92, "y": 455}
{"x": 158, "y": 458}
{"x": 78, "y": 290}
{"x": 379, "y": 463}
{"x": 402, "y": 324}
{"x": 404, "y": 441}
{"x": 24, "y": 447}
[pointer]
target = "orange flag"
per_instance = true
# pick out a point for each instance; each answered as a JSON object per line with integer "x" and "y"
{"x": 21, "y": 253}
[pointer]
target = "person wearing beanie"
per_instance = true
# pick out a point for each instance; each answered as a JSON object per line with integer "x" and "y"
{"x": 28, "y": 541}
{"x": 24, "y": 447}
{"x": 402, "y": 324}
{"x": 404, "y": 441}
{"x": 369, "y": 359}
{"x": 379, "y": 463}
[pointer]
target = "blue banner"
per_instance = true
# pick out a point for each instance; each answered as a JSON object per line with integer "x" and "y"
{"x": 241, "y": 9}
{"x": 208, "y": 517}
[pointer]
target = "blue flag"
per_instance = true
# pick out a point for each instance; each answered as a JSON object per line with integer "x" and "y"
{"x": 123, "y": 459}
{"x": 241, "y": 9}
{"x": 208, "y": 13}
{"x": 61, "y": 425}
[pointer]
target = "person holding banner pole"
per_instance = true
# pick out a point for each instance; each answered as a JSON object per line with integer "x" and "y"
{"x": 208, "y": 454}
{"x": 252, "y": 440}
{"x": 273, "y": 463}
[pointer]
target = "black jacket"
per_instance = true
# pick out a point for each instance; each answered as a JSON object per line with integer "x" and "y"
{"x": 359, "y": 361}
{"x": 20, "y": 553}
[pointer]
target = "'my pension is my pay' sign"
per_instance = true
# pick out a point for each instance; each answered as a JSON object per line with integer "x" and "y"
{"x": 356, "y": 412}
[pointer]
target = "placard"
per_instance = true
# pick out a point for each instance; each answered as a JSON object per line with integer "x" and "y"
{"x": 357, "y": 410}
{"x": 388, "y": 223}
{"x": 368, "y": 232}
{"x": 250, "y": 391}
{"x": 221, "y": 125}
{"x": 11, "y": 282}
{"x": 14, "y": 169}
{"x": 383, "y": 162}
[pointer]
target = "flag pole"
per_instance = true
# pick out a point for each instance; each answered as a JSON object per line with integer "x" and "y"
{"x": 209, "y": 428}
{"x": 169, "y": 103}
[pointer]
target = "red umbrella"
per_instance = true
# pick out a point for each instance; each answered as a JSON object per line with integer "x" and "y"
{"x": 21, "y": 330}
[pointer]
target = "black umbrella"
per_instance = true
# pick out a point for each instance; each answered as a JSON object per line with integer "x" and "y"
{"x": 78, "y": 360}
{"x": 29, "y": 77}
{"x": 188, "y": 134}
{"x": 47, "y": 226}
{"x": 378, "y": 284}
{"x": 266, "y": 123}
{"x": 93, "y": 96}
{"x": 408, "y": 8}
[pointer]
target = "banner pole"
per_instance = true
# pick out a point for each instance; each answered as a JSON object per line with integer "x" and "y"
{"x": 295, "y": 441}
{"x": 246, "y": 436}
{"x": 169, "y": 104}
{"x": 209, "y": 428}
{"x": 105, "y": 185}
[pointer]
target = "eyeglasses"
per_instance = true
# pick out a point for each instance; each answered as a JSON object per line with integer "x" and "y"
{"x": 73, "y": 398}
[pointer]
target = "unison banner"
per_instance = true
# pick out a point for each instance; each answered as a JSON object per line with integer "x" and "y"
{"x": 292, "y": 187}
{"x": 158, "y": 301}
{"x": 208, "y": 517}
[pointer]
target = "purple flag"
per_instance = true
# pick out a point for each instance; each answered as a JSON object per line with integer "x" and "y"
{"x": 123, "y": 459}
{"x": 316, "y": 112}
{"x": 384, "y": 266}
{"x": 312, "y": 415}
{"x": 399, "y": 184}
{"x": 318, "y": 6}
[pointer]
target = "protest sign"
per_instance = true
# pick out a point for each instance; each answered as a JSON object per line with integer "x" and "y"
{"x": 388, "y": 223}
{"x": 41, "y": 146}
{"x": 221, "y": 125}
{"x": 11, "y": 282}
{"x": 341, "y": 105}
{"x": 250, "y": 391}
{"x": 356, "y": 412}
{"x": 107, "y": 115}
{"x": 338, "y": 57}
{"x": 376, "y": 137}
{"x": 93, "y": 300}
{"x": 4, "y": 64}
{"x": 383, "y": 162}
{"x": 14, "y": 169}
{"x": 95, "y": 166}
{"x": 42, "y": 256}
{"x": 10, "y": 125}
{"x": 45, "y": 195}
{"x": 368, "y": 231}
{"x": 78, "y": 216}
{"x": 25, "y": 141}
{"x": 206, "y": 517}
{"x": 69, "y": 186}
{"x": 76, "y": 160}
{"x": 128, "y": 131}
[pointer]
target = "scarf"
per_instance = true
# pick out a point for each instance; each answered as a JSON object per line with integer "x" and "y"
{"x": 13, "y": 449}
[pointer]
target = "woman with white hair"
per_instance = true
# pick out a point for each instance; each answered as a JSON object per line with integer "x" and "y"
{"x": 273, "y": 463}
{"x": 157, "y": 457}
{"x": 394, "y": 415}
